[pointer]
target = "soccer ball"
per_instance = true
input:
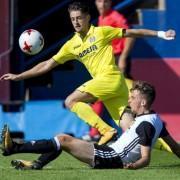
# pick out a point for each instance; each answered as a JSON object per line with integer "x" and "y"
{"x": 31, "y": 41}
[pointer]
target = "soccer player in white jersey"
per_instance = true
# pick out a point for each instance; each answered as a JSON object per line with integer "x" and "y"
{"x": 132, "y": 150}
{"x": 92, "y": 46}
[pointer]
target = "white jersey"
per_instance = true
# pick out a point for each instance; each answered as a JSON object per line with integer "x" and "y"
{"x": 144, "y": 131}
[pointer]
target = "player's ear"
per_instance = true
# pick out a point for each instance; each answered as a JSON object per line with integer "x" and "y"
{"x": 143, "y": 102}
{"x": 88, "y": 17}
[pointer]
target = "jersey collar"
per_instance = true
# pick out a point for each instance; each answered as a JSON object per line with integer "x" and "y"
{"x": 151, "y": 112}
{"x": 91, "y": 30}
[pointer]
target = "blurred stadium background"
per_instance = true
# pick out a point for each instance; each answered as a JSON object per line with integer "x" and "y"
{"x": 34, "y": 108}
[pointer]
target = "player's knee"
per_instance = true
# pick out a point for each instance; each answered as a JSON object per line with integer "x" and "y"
{"x": 64, "y": 139}
{"x": 69, "y": 102}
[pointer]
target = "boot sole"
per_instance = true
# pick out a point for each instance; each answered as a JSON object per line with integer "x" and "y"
{"x": 113, "y": 138}
{"x": 4, "y": 130}
{"x": 17, "y": 164}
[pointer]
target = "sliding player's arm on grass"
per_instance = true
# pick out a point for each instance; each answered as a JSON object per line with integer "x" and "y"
{"x": 39, "y": 69}
{"x": 146, "y": 133}
{"x": 143, "y": 161}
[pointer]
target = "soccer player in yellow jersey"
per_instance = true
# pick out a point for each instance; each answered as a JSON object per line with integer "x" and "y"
{"x": 92, "y": 46}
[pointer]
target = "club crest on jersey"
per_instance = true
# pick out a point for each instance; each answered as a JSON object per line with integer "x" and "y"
{"x": 92, "y": 39}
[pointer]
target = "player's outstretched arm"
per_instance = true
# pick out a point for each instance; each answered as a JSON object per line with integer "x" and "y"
{"x": 143, "y": 161}
{"x": 167, "y": 35}
{"x": 37, "y": 70}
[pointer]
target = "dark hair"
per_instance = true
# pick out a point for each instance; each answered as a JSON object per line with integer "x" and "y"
{"x": 79, "y": 6}
{"x": 145, "y": 89}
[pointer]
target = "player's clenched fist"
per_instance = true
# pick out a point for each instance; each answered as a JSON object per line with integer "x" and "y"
{"x": 171, "y": 33}
{"x": 167, "y": 35}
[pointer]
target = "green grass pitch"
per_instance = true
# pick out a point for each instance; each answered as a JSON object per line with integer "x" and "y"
{"x": 163, "y": 166}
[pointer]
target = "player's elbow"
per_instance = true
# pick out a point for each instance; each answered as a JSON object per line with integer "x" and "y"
{"x": 46, "y": 66}
{"x": 147, "y": 161}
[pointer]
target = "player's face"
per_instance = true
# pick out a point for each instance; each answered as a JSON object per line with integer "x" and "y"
{"x": 103, "y": 6}
{"x": 136, "y": 102}
{"x": 80, "y": 21}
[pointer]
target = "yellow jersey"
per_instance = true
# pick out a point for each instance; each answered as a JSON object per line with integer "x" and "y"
{"x": 94, "y": 50}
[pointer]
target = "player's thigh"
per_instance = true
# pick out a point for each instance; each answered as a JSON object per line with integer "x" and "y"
{"x": 80, "y": 149}
{"x": 104, "y": 87}
{"x": 78, "y": 96}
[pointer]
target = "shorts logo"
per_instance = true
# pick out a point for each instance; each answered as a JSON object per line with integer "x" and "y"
{"x": 92, "y": 39}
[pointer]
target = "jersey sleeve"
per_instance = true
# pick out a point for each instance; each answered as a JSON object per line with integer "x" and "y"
{"x": 64, "y": 54}
{"x": 111, "y": 33}
{"x": 146, "y": 132}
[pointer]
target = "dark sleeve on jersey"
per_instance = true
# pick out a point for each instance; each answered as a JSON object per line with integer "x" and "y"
{"x": 146, "y": 132}
{"x": 164, "y": 132}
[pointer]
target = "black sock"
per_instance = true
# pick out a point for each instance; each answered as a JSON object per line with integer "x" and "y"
{"x": 39, "y": 146}
{"x": 48, "y": 157}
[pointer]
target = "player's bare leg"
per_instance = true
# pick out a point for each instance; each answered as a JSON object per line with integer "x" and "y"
{"x": 82, "y": 150}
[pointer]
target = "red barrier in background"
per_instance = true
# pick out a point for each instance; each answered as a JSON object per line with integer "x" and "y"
{"x": 4, "y": 46}
{"x": 164, "y": 74}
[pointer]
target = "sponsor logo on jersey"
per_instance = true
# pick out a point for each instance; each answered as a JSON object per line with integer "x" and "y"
{"x": 88, "y": 50}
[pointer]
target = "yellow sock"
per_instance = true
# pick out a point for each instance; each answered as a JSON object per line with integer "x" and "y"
{"x": 86, "y": 113}
{"x": 162, "y": 145}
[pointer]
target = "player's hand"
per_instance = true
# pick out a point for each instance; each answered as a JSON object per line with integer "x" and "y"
{"x": 167, "y": 35}
{"x": 170, "y": 34}
{"x": 9, "y": 76}
{"x": 129, "y": 166}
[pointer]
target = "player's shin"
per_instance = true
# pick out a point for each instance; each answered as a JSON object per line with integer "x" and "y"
{"x": 86, "y": 113}
{"x": 46, "y": 158}
{"x": 39, "y": 146}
